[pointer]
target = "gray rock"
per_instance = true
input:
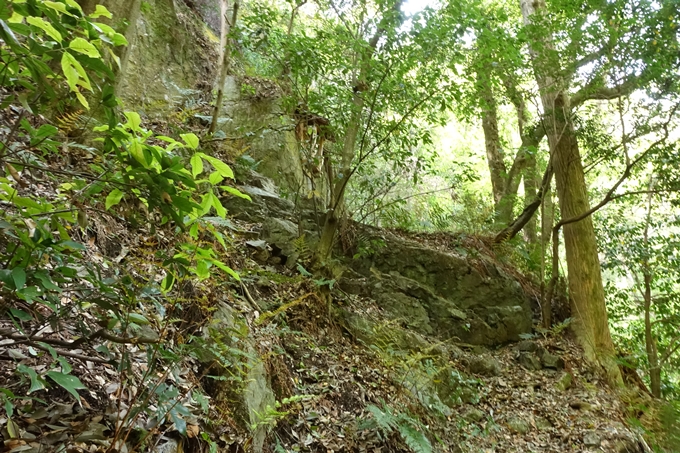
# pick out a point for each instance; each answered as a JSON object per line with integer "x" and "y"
{"x": 527, "y": 346}
{"x": 564, "y": 382}
{"x": 550, "y": 360}
{"x": 469, "y": 395}
{"x": 474, "y": 415}
{"x": 484, "y": 365}
{"x": 580, "y": 405}
{"x": 478, "y": 304}
{"x": 592, "y": 439}
{"x": 628, "y": 446}
{"x": 282, "y": 234}
{"x": 257, "y": 396}
{"x": 529, "y": 361}
{"x": 518, "y": 425}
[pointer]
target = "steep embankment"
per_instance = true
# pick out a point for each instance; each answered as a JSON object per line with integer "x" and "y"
{"x": 103, "y": 351}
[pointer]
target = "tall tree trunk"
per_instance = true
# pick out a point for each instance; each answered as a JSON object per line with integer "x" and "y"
{"x": 585, "y": 279}
{"x": 224, "y": 69}
{"x": 650, "y": 340}
{"x": 531, "y": 182}
{"x": 492, "y": 141}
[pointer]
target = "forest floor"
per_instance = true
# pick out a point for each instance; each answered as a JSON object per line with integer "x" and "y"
{"x": 101, "y": 393}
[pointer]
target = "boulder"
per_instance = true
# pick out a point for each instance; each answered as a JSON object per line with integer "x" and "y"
{"x": 484, "y": 365}
{"x": 473, "y": 303}
{"x": 518, "y": 425}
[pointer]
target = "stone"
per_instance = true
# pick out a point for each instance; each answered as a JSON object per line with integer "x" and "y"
{"x": 474, "y": 415}
{"x": 486, "y": 307}
{"x": 484, "y": 365}
{"x": 627, "y": 446}
{"x": 527, "y": 346}
{"x": 518, "y": 425}
{"x": 529, "y": 361}
{"x": 564, "y": 382}
{"x": 257, "y": 396}
{"x": 592, "y": 439}
{"x": 469, "y": 395}
{"x": 549, "y": 360}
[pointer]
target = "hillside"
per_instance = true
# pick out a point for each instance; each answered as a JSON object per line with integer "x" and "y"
{"x": 164, "y": 289}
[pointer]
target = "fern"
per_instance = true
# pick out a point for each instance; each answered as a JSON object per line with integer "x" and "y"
{"x": 71, "y": 122}
{"x": 415, "y": 439}
{"x": 384, "y": 420}
{"x": 408, "y": 427}
{"x": 301, "y": 248}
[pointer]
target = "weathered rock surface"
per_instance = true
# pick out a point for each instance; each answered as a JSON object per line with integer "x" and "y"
{"x": 442, "y": 293}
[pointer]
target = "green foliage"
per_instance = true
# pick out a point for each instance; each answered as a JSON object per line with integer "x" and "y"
{"x": 47, "y": 273}
{"x": 274, "y": 413}
{"x": 410, "y": 429}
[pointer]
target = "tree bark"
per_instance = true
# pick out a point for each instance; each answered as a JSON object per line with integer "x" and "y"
{"x": 492, "y": 141}
{"x": 585, "y": 278}
{"x": 224, "y": 70}
{"x": 647, "y": 275}
{"x": 530, "y": 193}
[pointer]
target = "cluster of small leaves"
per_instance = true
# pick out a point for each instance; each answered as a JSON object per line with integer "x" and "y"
{"x": 47, "y": 276}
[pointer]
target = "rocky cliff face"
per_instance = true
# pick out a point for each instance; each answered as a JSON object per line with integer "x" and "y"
{"x": 170, "y": 68}
{"x": 441, "y": 292}
{"x": 433, "y": 292}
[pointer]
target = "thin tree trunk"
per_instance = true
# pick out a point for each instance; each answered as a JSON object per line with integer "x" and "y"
{"x": 336, "y": 207}
{"x": 585, "y": 279}
{"x": 224, "y": 71}
{"x": 530, "y": 191}
{"x": 492, "y": 141}
{"x": 650, "y": 340}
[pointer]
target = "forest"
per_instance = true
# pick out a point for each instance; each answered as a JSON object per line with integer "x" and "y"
{"x": 339, "y": 226}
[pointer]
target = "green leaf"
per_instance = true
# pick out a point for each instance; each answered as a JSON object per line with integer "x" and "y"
{"x": 196, "y": 165}
{"x": 73, "y": 245}
{"x": 74, "y": 73}
{"x": 184, "y": 204}
{"x": 136, "y": 318}
{"x": 20, "y": 315}
{"x": 85, "y": 47}
{"x": 303, "y": 271}
{"x": 227, "y": 269}
{"x": 220, "y": 166}
{"x": 99, "y": 11}
{"x": 191, "y": 140}
{"x": 179, "y": 422}
{"x": 74, "y": 4}
{"x": 45, "y": 26}
{"x": 19, "y": 277}
{"x": 221, "y": 211}
{"x": 57, "y": 7}
{"x": 114, "y": 198}
{"x": 133, "y": 121}
{"x": 215, "y": 178}
{"x": 119, "y": 40}
{"x": 68, "y": 382}
{"x": 37, "y": 383}
{"x": 137, "y": 153}
{"x": 82, "y": 100}
{"x": 235, "y": 191}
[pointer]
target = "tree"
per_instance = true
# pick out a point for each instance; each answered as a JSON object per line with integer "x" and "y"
{"x": 555, "y": 75}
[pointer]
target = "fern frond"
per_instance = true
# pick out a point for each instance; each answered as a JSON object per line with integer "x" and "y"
{"x": 301, "y": 247}
{"x": 71, "y": 122}
{"x": 415, "y": 439}
{"x": 385, "y": 420}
